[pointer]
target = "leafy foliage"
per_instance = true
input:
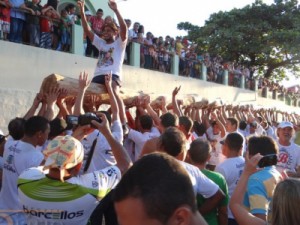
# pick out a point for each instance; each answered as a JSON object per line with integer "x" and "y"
{"x": 263, "y": 36}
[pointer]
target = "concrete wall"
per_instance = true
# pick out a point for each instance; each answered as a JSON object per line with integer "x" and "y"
{"x": 23, "y": 68}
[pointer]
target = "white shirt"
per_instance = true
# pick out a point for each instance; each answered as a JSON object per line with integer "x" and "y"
{"x": 140, "y": 138}
{"x": 217, "y": 156}
{"x": 288, "y": 157}
{"x": 18, "y": 156}
{"x": 103, "y": 156}
{"x": 111, "y": 56}
{"x": 231, "y": 169}
{"x": 201, "y": 184}
{"x": 72, "y": 202}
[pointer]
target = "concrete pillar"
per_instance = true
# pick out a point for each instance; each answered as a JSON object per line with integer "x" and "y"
{"x": 175, "y": 65}
{"x": 225, "y": 77}
{"x": 77, "y": 40}
{"x": 288, "y": 100}
{"x": 203, "y": 72}
{"x": 135, "y": 54}
{"x": 274, "y": 94}
{"x": 242, "y": 83}
{"x": 255, "y": 85}
{"x": 264, "y": 92}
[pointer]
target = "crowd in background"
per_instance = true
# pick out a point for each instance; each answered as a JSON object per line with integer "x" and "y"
{"x": 46, "y": 27}
{"x": 76, "y": 158}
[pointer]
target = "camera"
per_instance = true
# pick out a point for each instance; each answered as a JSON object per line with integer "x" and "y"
{"x": 267, "y": 160}
{"x": 83, "y": 119}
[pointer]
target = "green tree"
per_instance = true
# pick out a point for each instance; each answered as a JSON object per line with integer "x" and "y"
{"x": 263, "y": 36}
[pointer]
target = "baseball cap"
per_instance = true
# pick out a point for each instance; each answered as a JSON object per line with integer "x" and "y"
{"x": 284, "y": 124}
{"x": 63, "y": 152}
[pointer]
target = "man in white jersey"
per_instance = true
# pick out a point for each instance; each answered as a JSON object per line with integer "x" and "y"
{"x": 233, "y": 166}
{"x": 231, "y": 126}
{"x": 55, "y": 194}
{"x": 147, "y": 131}
{"x": 18, "y": 156}
{"x": 173, "y": 142}
{"x": 289, "y": 152}
{"x": 217, "y": 134}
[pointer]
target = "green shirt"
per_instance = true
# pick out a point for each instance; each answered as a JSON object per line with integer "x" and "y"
{"x": 212, "y": 217}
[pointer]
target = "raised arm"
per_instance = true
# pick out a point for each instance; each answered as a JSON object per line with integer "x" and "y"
{"x": 220, "y": 124}
{"x": 112, "y": 98}
{"x": 86, "y": 27}
{"x": 51, "y": 100}
{"x": 35, "y": 104}
{"x": 62, "y": 113}
{"x": 120, "y": 154}
{"x": 123, "y": 27}
{"x": 83, "y": 84}
{"x": 176, "y": 108}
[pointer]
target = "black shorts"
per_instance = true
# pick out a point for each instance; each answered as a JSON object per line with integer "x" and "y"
{"x": 100, "y": 79}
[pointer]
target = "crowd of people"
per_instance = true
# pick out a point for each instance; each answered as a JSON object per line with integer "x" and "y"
{"x": 80, "y": 160}
{"x": 47, "y": 27}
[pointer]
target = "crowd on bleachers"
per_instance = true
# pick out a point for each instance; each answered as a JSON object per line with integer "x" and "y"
{"x": 46, "y": 27}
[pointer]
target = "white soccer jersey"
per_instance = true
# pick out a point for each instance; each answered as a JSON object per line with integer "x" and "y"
{"x": 140, "y": 138}
{"x": 288, "y": 157}
{"x": 52, "y": 202}
{"x": 103, "y": 156}
{"x": 201, "y": 184}
{"x": 18, "y": 156}
{"x": 231, "y": 169}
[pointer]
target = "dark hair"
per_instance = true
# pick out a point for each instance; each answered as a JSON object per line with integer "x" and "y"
{"x": 70, "y": 6}
{"x": 108, "y": 116}
{"x": 161, "y": 183}
{"x": 199, "y": 151}
{"x": 234, "y": 141}
{"x": 168, "y": 120}
{"x": 199, "y": 128}
{"x": 263, "y": 145}
{"x": 146, "y": 122}
{"x": 52, "y": 3}
{"x": 35, "y": 124}
{"x": 100, "y": 10}
{"x": 172, "y": 141}
{"x": 242, "y": 125}
{"x": 57, "y": 127}
{"x": 233, "y": 121}
{"x": 186, "y": 122}
{"x": 16, "y": 128}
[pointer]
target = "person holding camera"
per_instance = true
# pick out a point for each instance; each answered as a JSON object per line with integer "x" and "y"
{"x": 55, "y": 193}
{"x": 261, "y": 184}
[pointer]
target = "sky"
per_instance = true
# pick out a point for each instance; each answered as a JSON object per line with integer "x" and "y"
{"x": 162, "y": 16}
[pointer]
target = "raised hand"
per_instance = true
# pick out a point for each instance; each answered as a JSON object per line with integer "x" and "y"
{"x": 84, "y": 82}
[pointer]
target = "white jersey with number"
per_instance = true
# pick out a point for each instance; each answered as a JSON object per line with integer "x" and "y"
{"x": 288, "y": 157}
{"x": 52, "y": 202}
{"x": 18, "y": 156}
{"x": 201, "y": 184}
{"x": 231, "y": 169}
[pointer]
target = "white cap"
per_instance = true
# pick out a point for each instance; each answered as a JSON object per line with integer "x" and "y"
{"x": 284, "y": 124}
